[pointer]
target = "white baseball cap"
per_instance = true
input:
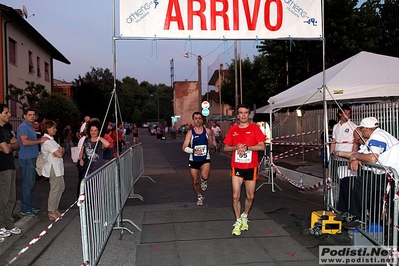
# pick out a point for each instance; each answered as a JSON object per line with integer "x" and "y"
{"x": 369, "y": 122}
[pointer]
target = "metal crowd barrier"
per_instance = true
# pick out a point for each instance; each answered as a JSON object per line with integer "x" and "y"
{"x": 102, "y": 197}
{"x": 375, "y": 202}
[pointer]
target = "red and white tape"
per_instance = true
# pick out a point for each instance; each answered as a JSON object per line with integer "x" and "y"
{"x": 298, "y": 134}
{"x": 316, "y": 186}
{"x": 33, "y": 241}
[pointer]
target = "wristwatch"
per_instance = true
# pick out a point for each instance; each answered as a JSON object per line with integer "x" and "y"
{"x": 356, "y": 154}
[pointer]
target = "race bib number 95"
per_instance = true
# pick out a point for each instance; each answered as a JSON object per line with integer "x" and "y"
{"x": 244, "y": 158}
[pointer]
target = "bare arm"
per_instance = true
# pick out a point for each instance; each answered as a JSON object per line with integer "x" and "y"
{"x": 7, "y": 148}
{"x": 59, "y": 153}
{"x": 28, "y": 142}
{"x": 104, "y": 142}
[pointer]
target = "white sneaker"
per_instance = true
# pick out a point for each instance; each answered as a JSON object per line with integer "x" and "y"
{"x": 204, "y": 184}
{"x": 4, "y": 232}
{"x": 200, "y": 201}
{"x": 15, "y": 231}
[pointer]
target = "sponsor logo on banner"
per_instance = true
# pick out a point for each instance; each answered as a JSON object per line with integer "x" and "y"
{"x": 215, "y": 19}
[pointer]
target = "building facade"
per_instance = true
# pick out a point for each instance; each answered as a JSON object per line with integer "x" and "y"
{"x": 26, "y": 56}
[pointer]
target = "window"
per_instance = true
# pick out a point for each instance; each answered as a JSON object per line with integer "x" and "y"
{"x": 31, "y": 68}
{"x": 12, "y": 51}
{"x": 46, "y": 71}
{"x": 39, "y": 74}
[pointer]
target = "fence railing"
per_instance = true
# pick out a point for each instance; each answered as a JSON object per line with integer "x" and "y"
{"x": 103, "y": 194}
{"x": 369, "y": 194}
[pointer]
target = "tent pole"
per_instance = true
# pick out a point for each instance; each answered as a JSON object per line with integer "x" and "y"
{"x": 326, "y": 149}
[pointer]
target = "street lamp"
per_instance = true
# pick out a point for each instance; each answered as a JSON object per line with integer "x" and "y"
{"x": 158, "y": 105}
{"x": 199, "y": 59}
{"x": 300, "y": 113}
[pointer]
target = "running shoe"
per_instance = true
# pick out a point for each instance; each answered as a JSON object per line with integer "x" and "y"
{"x": 204, "y": 184}
{"x": 4, "y": 232}
{"x": 244, "y": 223}
{"x": 200, "y": 201}
{"x": 15, "y": 231}
{"x": 36, "y": 209}
{"x": 27, "y": 213}
{"x": 237, "y": 228}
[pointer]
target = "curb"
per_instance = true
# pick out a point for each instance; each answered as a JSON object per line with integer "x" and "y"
{"x": 25, "y": 223}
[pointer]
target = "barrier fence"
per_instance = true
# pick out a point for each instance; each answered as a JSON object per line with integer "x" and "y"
{"x": 101, "y": 201}
{"x": 370, "y": 195}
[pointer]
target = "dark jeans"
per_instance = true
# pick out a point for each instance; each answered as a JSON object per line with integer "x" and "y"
{"x": 345, "y": 193}
{"x": 28, "y": 182}
{"x": 367, "y": 195}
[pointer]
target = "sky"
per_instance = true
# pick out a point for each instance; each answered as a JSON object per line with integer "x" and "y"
{"x": 82, "y": 30}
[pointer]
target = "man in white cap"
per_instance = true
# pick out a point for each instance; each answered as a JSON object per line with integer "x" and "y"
{"x": 379, "y": 149}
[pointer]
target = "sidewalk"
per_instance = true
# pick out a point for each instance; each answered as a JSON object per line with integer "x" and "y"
{"x": 174, "y": 230}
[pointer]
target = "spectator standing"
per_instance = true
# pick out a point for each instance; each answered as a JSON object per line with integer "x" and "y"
{"x": 343, "y": 140}
{"x": 118, "y": 140}
{"x": 108, "y": 152}
{"x": 53, "y": 169}
{"x": 8, "y": 143}
{"x": 166, "y": 131}
{"x": 67, "y": 135}
{"x": 173, "y": 132}
{"x": 91, "y": 154}
{"x": 244, "y": 140}
{"x": 36, "y": 127}
{"x": 378, "y": 149}
{"x": 27, "y": 155}
{"x": 135, "y": 132}
{"x": 83, "y": 126}
{"x": 82, "y": 138}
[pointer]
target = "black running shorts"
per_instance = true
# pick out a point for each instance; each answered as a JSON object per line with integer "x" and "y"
{"x": 197, "y": 165}
{"x": 247, "y": 174}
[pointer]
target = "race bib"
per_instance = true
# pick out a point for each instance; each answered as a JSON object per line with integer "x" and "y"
{"x": 243, "y": 158}
{"x": 201, "y": 148}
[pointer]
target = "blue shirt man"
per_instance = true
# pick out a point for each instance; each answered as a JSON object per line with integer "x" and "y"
{"x": 27, "y": 156}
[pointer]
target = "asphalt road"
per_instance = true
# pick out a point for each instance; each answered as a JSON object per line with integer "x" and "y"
{"x": 167, "y": 165}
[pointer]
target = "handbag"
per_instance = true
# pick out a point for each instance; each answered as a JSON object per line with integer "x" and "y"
{"x": 40, "y": 162}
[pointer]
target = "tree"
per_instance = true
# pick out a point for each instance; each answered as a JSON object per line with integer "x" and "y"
{"x": 93, "y": 93}
{"x": 56, "y": 107}
{"x": 27, "y": 97}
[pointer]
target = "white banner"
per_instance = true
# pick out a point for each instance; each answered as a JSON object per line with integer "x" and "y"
{"x": 221, "y": 19}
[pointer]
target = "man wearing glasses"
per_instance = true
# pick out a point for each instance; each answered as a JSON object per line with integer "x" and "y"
{"x": 244, "y": 140}
{"x": 27, "y": 155}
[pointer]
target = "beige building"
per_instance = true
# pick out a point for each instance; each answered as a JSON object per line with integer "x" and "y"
{"x": 25, "y": 55}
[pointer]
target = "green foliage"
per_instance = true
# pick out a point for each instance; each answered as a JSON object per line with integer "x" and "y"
{"x": 27, "y": 97}
{"x": 137, "y": 102}
{"x": 56, "y": 107}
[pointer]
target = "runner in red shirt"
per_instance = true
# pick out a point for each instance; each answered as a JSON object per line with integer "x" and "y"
{"x": 244, "y": 140}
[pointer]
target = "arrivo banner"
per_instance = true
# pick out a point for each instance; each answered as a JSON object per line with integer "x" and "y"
{"x": 221, "y": 19}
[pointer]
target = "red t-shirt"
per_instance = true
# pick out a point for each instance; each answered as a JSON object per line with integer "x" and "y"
{"x": 249, "y": 136}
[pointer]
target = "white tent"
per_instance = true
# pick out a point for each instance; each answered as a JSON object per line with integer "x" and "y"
{"x": 360, "y": 77}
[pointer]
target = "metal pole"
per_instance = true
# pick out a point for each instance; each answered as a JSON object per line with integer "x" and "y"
{"x": 220, "y": 91}
{"x": 235, "y": 78}
{"x": 199, "y": 58}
